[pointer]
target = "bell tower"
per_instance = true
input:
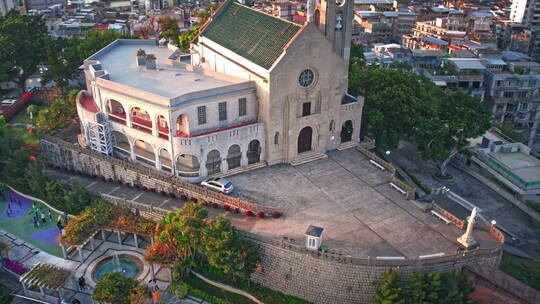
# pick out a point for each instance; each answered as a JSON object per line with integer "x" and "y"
{"x": 335, "y": 20}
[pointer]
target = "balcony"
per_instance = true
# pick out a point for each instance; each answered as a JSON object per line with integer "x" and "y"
{"x": 163, "y": 132}
{"x": 184, "y": 135}
{"x": 141, "y": 124}
{"x": 118, "y": 117}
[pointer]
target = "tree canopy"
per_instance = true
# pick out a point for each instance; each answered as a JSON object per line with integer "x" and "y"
{"x": 431, "y": 288}
{"x": 115, "y": 288}
{"x": 402, "y": 104}
{"x": 22, "y": 46}
{"x": 184, "y": 236}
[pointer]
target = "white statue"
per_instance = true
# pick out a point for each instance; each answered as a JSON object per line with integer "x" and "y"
{"x": 467, "y": 240}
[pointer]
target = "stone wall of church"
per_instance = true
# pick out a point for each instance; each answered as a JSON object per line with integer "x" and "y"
{"x": 282, "y": 111}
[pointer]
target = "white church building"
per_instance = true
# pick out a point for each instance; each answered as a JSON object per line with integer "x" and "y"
{"x": 254, "y": 90}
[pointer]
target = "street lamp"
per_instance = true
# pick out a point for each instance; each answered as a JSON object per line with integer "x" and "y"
{"x": 387, "y": 152}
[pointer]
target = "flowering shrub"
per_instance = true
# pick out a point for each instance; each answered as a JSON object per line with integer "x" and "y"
{"x": 226, "y": 207}
{"x": 153, "y": 190}
{"x": 134, "y": 224}
{"x": 162, "y": 193}
{"x": 194, "y": 199}
{"x": 144, "y": 188}
{"x": 103, "y": 214}
{"x": 236, "y": 210}
{"x": 161, "y": 253}
{"x": 215, "y": 205}
{"x": 172, "y": 195}
{"x": 276, "y": 214}
{"x": 13, "y": 266}
{"x": 183, "y": 197}
{"x": 249, "y": 213}
{"x": 260, "y": 214}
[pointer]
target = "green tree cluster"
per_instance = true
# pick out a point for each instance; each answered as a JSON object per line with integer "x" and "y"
{"x": 116, "y": 288}
{"x": 66, "y": 55}
{"x": 13, "y": 158}
{"x": 22, "y": 46}
{"x": 431, "y": 288}
{"x": 508, "y": 129}
{"x": 169, "y": 29}
{"x": 184, "y": 237}
{"x": 17, "y": 170}
{"x": 402, "y": 104}
{"x": 186, "y": 37}
{"x": 49, "y": 117}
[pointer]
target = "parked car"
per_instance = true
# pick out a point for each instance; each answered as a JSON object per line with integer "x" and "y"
{"x": 218, "y": 184}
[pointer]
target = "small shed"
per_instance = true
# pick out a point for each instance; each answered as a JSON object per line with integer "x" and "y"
{"x": 45, "y": 282}
{"x": 314, "y": 237}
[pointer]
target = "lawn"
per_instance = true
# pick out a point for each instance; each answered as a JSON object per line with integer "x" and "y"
{"x": 524, "y": 270}
{"x": 23, "y": 228}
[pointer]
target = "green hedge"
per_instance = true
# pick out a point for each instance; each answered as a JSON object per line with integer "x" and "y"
{"x": 199, "y": 289}
{"x": 427, "y": 190}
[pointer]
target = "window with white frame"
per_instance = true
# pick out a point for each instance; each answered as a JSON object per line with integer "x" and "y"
{"x": 201, "y": 115}
{"x": 222, "y": 111}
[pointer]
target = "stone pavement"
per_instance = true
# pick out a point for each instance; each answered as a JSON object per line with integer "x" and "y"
{"x": 362, "y": 215}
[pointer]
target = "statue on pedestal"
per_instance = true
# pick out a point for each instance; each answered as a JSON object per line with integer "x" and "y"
{"x": 467, "y": 240}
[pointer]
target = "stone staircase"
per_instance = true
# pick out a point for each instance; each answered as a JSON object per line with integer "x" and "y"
{"x": 241, "y": 169}
{"x": 347, "y": 145}
{"x": 307, "y": 157}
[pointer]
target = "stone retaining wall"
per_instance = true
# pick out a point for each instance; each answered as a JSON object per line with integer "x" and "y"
{"x": 286, "y": 266}
{"x": 80, "y": 160}
{"x": 326, "y": 278}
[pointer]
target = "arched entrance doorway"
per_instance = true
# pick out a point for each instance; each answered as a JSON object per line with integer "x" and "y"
{"x": 304, "y": 140}
{"x": 233, "y": 157}
{"x": 346, "y": 131}
{"x": 254, "y": 152}
{"x": 213, "y": 162}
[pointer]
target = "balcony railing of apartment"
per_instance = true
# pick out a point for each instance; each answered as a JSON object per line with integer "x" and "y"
{"x": 118, "y": 117}
{"x": 163, "y": 132}
{"x": 141, "y": 124}
{"x": 182, "y": 134}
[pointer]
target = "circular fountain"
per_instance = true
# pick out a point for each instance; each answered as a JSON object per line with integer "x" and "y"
{"x": 127, "y": 265}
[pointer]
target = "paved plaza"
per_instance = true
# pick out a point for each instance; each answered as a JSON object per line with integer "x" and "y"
{"x": 362, "y": 215}
{"x": 350, "y": 198}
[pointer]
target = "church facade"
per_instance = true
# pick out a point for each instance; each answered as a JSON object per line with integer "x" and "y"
{"x": 254, "y": 90}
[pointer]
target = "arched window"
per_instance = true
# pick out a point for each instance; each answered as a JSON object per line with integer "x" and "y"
{"x": 276, "y": 138}
{"x": 332, "y": 125}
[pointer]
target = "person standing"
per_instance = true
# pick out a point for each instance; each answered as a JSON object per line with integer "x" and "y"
{"x": 59, "y": 225}
{"x": 82, "y": 283}
{"x": 35, "y": 220}
{"x": 43, "y": 218}
{"x": 50, "y": 215}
